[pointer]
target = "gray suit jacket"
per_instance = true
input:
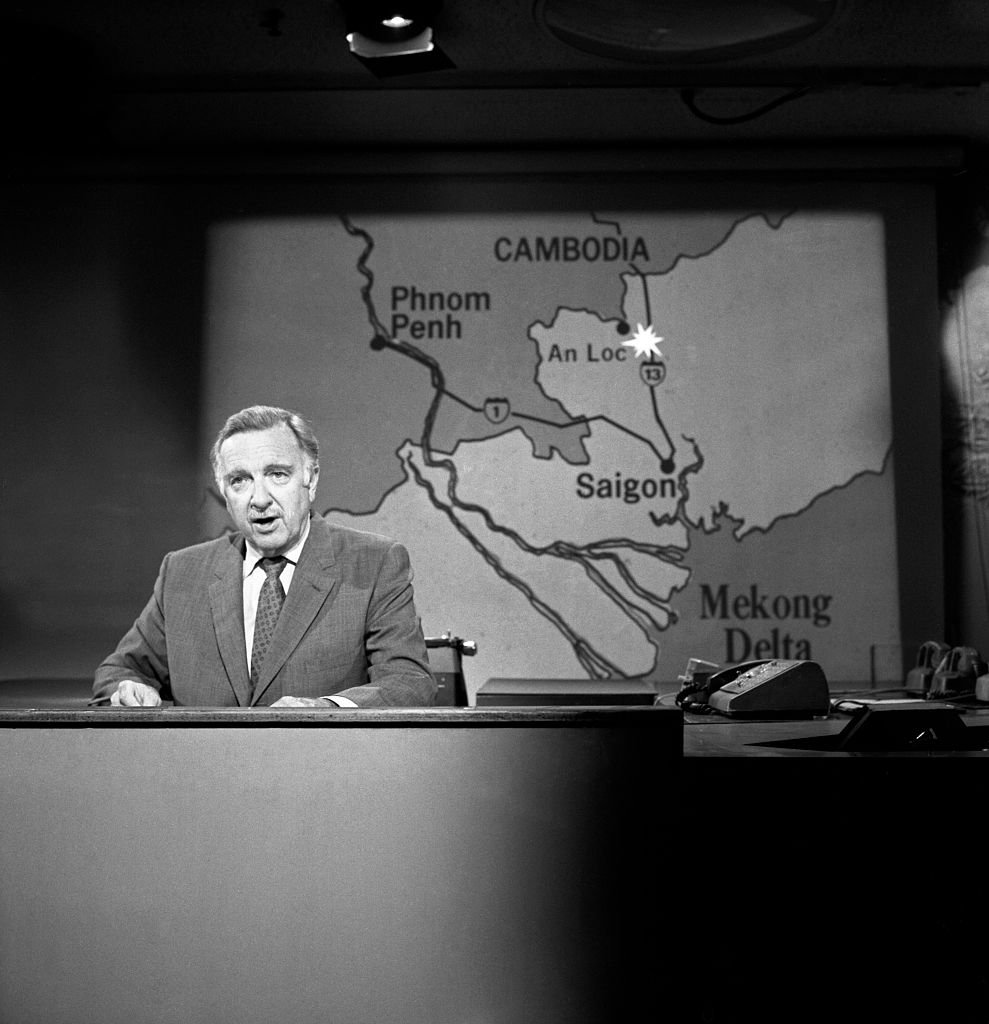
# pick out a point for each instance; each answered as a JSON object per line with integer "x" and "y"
{"x": 348, "y": 627}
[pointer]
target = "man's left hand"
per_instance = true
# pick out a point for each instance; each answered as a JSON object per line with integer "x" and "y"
{"x": 303, "y": 702}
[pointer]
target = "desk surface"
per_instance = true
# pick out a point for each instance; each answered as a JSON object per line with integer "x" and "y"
{"x": 62, "y": 703}
{"x": 713, "y": 736}
{"x": 717, "y": 736}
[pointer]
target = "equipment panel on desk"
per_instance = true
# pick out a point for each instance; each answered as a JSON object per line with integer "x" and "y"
{"x": 504, "y": 692}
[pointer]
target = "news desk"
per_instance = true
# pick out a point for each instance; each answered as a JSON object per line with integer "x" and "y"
{"x": 339, "y": 867}
{"x": 474, "y": 866}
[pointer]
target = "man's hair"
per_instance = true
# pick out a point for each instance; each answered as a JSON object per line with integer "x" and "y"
{"x": 263, "y": 417}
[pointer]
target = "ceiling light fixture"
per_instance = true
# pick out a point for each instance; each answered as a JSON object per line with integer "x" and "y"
{"x": 394, "y": 36}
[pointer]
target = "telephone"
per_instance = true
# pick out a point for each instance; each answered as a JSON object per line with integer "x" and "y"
{"x": 770, "y": 687}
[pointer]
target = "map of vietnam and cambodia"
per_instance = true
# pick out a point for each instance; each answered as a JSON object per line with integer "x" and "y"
{"x": 642, "y": 437}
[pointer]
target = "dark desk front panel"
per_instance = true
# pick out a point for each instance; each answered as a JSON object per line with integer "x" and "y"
{"x": 830, "y": 886}
{"x": 439, "y": 866}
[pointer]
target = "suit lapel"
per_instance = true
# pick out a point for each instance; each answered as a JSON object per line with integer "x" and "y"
{"x": 312, "y": 584}
{"x": 226, "y": 597}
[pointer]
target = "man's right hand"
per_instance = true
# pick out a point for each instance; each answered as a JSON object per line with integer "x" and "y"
{"x": 130, "y": 694}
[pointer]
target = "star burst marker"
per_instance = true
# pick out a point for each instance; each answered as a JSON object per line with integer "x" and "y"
{"x": 645, "y": 341}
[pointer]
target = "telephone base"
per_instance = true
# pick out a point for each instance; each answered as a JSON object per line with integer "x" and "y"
{"x": 771, "y": 688}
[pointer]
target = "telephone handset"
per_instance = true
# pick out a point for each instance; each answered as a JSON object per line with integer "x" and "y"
{"x": 770, "y": 687}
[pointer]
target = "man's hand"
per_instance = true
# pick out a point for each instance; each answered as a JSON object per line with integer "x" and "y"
{"x": 132, "y": 694}
{"x": 303, "y": 702}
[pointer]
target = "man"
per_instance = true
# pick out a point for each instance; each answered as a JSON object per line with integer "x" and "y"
{"x": 290, "y": 612}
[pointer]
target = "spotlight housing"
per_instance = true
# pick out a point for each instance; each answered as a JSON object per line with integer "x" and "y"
{"x": 390, "y": 28}
{"x": 394, "y": 36}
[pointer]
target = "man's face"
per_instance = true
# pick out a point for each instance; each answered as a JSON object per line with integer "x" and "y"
{"x": 268, "y": 485}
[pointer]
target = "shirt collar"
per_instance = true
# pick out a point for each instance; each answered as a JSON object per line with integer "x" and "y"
{"x": 252, "y": 556}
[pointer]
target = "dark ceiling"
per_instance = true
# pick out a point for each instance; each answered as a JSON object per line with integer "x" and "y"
{"x": 151, "y": 75}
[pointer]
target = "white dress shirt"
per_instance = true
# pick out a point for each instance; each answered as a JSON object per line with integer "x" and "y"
{"x": 254, "y": 577}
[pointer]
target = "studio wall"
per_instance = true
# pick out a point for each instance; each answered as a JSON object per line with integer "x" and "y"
{"x": 101, "y": 319}
{"x": 964, "y": 264}
{"x": 105, "y": 302}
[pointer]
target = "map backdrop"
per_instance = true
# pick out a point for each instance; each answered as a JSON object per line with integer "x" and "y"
{"x": 610, "y": 441}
